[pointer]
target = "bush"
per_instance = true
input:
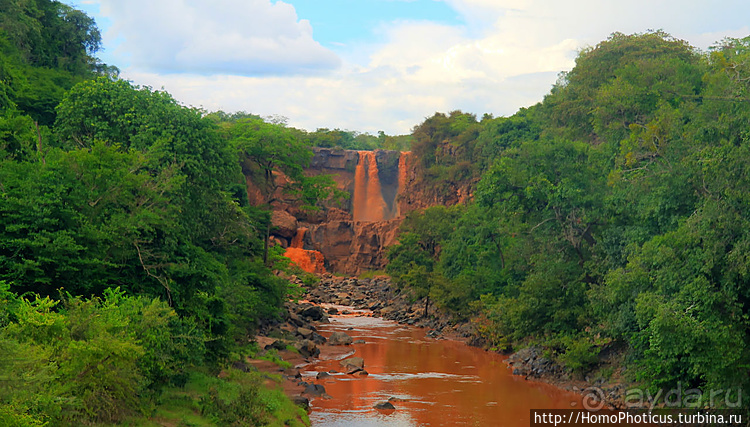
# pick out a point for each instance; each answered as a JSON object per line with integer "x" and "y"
{"x": 95, "y": 360}
{"x": 580, "y": 354}
{"x": 235, "y": 403}
{"x": 242, "y": 410}
{"x": 13, "y": 417}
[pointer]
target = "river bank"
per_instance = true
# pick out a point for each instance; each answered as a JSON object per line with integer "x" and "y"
{"x": 297, "y": 340}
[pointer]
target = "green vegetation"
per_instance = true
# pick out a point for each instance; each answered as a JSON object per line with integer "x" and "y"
{"x": 350, "y": 140}
{"x": 614, "y": 214}
{"x": 131, "y": 262}
{"x": 239, "y": 398}
{"x": 372, "y": 274}
{"x": 323, "y": 137}
{"x": 133, "y": 268}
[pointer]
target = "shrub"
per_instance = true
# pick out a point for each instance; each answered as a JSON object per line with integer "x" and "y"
{"x": 579, "y": 354}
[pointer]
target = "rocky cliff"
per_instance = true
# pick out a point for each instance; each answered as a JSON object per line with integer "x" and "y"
{"x": 352, "y": 236}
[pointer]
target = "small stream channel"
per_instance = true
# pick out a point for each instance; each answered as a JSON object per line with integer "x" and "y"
{"x": 431, "y": 382}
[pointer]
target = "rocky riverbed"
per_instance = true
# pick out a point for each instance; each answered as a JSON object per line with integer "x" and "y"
{"x": 379, "y": 296}
{"x": 296, "y": 340}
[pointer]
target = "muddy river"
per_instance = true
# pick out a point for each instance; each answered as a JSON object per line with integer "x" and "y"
{"x": 431, "y": 382}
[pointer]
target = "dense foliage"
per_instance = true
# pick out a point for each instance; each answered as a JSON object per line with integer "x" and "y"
{"x": 130, "y": 260}
{"x": 350, "y": 140}
{"x": 612, "y": 215}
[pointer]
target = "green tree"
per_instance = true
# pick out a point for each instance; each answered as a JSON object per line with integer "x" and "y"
{"x": 79, "y": 220}
{"x": 621, "y": 82}
{"x": 273, "y": 158}
{"x": 444, "y": 146}
{"x": 46, "y": 47}
{"x": 412, "y": 261}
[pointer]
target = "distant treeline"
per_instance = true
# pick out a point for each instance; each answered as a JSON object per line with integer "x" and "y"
{"x": 327, "y": 138}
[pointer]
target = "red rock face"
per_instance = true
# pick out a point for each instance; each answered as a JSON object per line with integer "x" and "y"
{"x": 352, "y": 247}
{"x": 284, "y": 224}
{"x": 352, "y": 237}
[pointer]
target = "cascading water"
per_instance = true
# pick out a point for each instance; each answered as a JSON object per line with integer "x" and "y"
{"x": 403, "y": 167}
{"x": 359, "y": 198}
{"x": 368, "y": 202}
{"x": 308, "y": 260}
{"x": 299, "y": 238}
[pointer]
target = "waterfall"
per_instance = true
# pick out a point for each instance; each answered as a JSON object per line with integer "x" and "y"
{"x": 308, "y": 260}
{"x": 298, "y": 241}
{"x": 403, "y": 167}
{"x": 368, "y": 203}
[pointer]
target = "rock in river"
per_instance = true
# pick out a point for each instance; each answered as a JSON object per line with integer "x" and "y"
{"x": 314, "y": 313}
{"x": 340, "y": 338}
{"x": 302, "y": 401}
{"x": 353, "y": 365}
{"x": 314, "y": 390}
{"x": 307, "y": 348}
{"x": 384, "y": 405}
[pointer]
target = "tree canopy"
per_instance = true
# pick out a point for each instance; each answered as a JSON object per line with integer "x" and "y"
{"x": 612, "y": 216}
{"x": 609, "y": 216}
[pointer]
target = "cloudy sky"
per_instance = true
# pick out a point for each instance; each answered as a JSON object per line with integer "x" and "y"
{"x": 371, "y": 65}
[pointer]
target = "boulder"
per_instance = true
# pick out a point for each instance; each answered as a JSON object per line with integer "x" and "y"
{"x": 384, "y": 405}
{"x": 314, "y": 390}
{"x": 307, "y": 348}
{"x": 353, "y": 364}
{"x": 304, "y": 332}
{"x": 295, "y": 320}
{"x": 293, "y": 373}
{"x": 276, "y": 345}
{"x": 315, "y": 313}
{"x": 302, "y": 402}
{"x": 340, "y": 338}
{"x": 317, "y": 338}
{"x": 285, "y": 225}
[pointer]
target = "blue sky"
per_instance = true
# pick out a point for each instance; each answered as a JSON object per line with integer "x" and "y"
{"x": 338, "y": 22}
{"x": 371, "y": 65}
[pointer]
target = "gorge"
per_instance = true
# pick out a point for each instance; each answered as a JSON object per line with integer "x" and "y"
{"x": 351, "y": 236}
{"x": 601, "y": 236}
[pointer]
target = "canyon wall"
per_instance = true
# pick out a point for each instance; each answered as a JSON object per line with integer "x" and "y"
{"x": 351, "y": 236}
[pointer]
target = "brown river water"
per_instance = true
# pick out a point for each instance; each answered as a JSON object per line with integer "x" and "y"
{"x": 434, "y": 382}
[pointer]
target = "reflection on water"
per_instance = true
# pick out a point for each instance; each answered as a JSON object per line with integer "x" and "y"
{"x": 430, "y": 382}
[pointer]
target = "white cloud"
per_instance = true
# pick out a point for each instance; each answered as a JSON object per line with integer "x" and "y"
{"x": 244, "y": 37}
{"x": 590, "y": 21}
{"x": 506, "y": 56}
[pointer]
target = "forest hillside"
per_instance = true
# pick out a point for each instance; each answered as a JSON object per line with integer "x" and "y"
{"x": 611, "y": 216}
